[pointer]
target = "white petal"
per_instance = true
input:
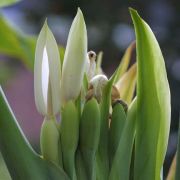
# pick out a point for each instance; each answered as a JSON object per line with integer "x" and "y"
{"x": 75, "y": 59}
{"x": 45, "y": 76}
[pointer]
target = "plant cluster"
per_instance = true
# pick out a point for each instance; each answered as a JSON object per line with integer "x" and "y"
{"x": 106, "y": 131}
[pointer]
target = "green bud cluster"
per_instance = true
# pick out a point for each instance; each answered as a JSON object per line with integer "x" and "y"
{"x": 106, "y": 131}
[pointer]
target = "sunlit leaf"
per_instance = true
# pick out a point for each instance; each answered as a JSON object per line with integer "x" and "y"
{"x": 153, "y": 104}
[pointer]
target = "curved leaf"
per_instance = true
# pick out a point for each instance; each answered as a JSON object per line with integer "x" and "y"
{"x": 21, "y": 160}
{"x": 153, "y": 104}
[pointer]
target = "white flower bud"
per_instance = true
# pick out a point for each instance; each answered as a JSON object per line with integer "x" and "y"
{"x": 97, "y": 83}
{"x": 47, "y": 72}
{"x": 74, "y": 63}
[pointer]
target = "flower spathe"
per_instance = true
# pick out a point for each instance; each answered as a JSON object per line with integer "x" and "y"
{"x": 75, "y": 58}
{"x": 47, "y": 73}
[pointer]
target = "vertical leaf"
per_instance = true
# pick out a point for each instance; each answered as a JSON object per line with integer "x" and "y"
{"x": 69, "y": 132}
{"x": 102, "y": 157}
{"x": 90, "y": 122}
{"x": 153, "y": 104}
{"x": 116, "y": 127}
{"x": 121, "y": 163}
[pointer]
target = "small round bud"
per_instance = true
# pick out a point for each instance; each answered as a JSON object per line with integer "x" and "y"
{"x": 97, "y": 83}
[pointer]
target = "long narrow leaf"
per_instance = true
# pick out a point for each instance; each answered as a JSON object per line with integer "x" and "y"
{"x": 22, "y": 162}
{"x": 122, "y": 159}
{"x": 153, "y": 104}
{"x": 102, "y": 157}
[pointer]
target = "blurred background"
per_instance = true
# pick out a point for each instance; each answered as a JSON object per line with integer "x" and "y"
{"x": 110, "y": 30}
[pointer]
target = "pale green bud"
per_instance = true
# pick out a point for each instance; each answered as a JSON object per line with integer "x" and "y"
{"x": 75, "y": 59}
{"x": 47, "y": 72}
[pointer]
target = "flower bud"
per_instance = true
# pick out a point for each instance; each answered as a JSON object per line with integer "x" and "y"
{"x": 97, "y": 84}
{"x": 75, "y": 59}
{"x": 92, "y": 64}
{"x": 47, "y": 73}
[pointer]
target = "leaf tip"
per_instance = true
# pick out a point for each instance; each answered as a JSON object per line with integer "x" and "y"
{"x": 134, "y": 14}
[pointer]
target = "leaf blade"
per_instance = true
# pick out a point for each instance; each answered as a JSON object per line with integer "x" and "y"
{"x": 153, "y": 106}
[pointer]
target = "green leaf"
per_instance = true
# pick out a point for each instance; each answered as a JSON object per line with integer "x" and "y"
{"x": 90, "y": 122}
{"x": 116, "y": 127}
{"x": 102, "y": 157}
{"x": 122, "y": 159}
{"x": 69, "y": 132}
{"x": 21, "y": 160}
{"x": 153, "y": 104}
{"x": 80, "y": 167}
{"x": 4, "y": 3}
{"x": 18, "y": 45}
{"x": 49, "y": 140}
{"x": 4, "y": 174}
